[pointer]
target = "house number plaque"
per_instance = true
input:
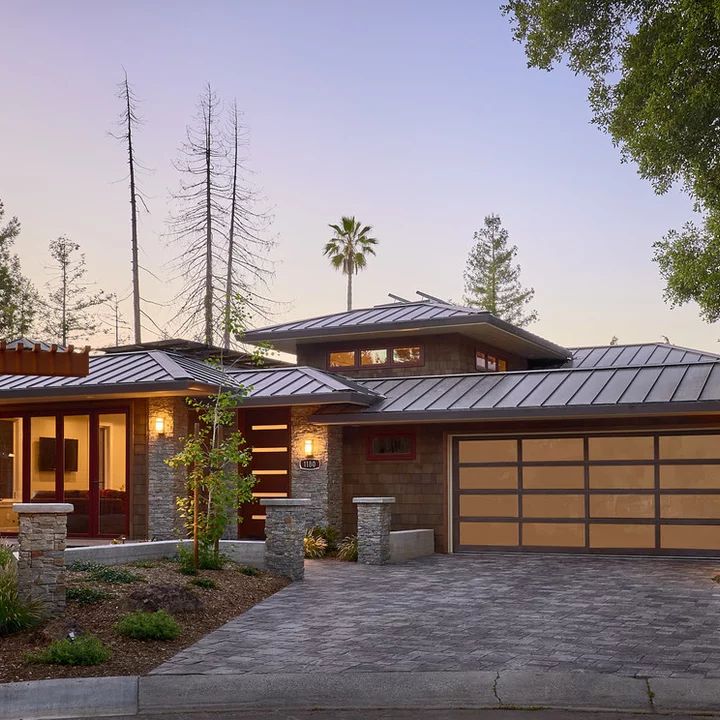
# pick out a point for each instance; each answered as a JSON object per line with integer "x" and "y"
{"x": 309, "y": 464}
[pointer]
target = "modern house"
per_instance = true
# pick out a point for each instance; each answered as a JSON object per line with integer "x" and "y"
{"x": 492, "y": 436}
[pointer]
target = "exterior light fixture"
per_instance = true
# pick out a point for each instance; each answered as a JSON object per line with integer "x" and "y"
{"x": 309, "y": 448}
{"x": 160, "y": 425}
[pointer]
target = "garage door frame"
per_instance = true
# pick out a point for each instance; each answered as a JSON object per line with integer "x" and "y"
{"x": 656, "y": 492}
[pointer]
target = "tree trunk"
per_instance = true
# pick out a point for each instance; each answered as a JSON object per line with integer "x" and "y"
{"x": 231, "y": 235}
{"x": 349, "y": 286}
{"x": 137, "y": 332}
{"x": 208, "y": 220}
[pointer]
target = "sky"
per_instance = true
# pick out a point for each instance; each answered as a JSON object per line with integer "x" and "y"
{"x": 417, "y": 117}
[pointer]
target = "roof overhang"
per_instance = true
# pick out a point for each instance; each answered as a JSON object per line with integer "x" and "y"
{"x": 334, "y": 398}
{"x": 483, "y": 327}
{"x": 577, "y": 412}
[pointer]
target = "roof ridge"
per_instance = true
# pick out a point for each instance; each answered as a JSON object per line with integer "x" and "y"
{"x": 644, "y": 344}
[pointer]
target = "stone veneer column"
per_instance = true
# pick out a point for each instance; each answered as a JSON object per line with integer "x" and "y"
{"x": 324, "y": 485}
{"x": 41, "y": 560}
{"x": 165, "y": 485}
{"x": 285, "y": 526}
{"x": 373, "y": 529}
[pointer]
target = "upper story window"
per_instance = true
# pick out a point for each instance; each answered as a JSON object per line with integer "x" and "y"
{"x": 485, "y": 362}
{"x": 391, "y": 446}
{"x": 402, "y": 356}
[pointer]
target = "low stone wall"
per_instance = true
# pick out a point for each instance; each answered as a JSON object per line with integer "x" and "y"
{"x": 409, "y": 544}
{"x": 244, "y": 552}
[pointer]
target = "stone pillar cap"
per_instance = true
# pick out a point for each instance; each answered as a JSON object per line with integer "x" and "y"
{"x": 373, "y": 500}
{"x": 43, "y": 508}
{"x": 285, "y": 502}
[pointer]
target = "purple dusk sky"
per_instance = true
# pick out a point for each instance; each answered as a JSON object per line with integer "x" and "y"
{"x": 418, "y": 117}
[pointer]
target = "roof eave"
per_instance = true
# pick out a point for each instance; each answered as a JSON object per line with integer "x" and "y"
{"x": 333, "y": 398}
{"x": 465, "y": 415}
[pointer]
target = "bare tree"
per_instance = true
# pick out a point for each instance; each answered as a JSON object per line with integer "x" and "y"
{"x": 69, "y": 306}
{"x": 200, "y": 214}
{"x": 223, "y": 256}
{"x": 247, "y": 268}
{"x": 128, "y": 121}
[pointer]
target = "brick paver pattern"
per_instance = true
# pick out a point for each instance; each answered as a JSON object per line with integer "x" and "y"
{"x": 648, "y": 617}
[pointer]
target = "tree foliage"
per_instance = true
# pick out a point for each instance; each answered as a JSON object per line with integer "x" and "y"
{"x": 654, "y": 76}
{"x": 349, "y": 248}
{"x": 71, "y": 305}
{"x": 18, "y": 297}
{"x": 492, "y": 277}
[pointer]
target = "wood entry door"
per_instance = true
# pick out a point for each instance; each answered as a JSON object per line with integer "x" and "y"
{"x": 636, "y": 493}
{"x": 267, "y": 433}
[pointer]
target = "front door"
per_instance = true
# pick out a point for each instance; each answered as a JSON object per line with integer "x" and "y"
{"x": 267, "y": 433}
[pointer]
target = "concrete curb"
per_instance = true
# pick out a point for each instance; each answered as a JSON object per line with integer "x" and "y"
{"x": 107, "y": 697}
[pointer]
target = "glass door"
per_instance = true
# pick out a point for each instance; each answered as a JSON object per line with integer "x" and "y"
{"x": 76, "y": 473}
{"x": 112, "y": 474}
{"x": 10, "y": 472}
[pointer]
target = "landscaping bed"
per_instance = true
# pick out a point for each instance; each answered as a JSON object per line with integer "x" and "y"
{"x": 210, "y": 598}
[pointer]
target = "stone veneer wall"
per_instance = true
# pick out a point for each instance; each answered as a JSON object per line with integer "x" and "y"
{"x": 324, "y": 485}
{"x": 164, "y": 483}
{"x": 419, "y": 486}
{"x": 139, "y": 470}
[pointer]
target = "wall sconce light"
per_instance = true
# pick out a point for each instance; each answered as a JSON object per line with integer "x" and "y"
{"x": 309, "y": 448}
{"x": 160, "y": 425}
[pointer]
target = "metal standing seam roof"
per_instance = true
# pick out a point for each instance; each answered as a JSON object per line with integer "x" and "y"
{"x": 395, "y": 316}
{"x": 128, "y": 372}
{"x": 297, "y": 385}
{"x": 634, "y": 355}
{"x": 558, "y": 392}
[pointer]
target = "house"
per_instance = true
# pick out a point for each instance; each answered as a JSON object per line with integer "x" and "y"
{"x": 492, "y": 436}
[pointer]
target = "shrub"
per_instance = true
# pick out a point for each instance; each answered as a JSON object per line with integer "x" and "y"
{"x": 348, "y": 549}
{"x": 327, "y": 533}
{"x": 6, "y": 554}
{"x": 84, "y": 650}
{"x": 105, "y": 573}
{"x": 205, "y": 583}
{"x": 148, "y": 626}
{"x": 16, "y": 612}
{"x": 207, "y": 559}
{"x": 315, "y": 545}
{"x": 86, "y": 595}
{"x": 246, "y": 570}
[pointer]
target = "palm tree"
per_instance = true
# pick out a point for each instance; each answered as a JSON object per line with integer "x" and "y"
{"x": 348, "y": 250}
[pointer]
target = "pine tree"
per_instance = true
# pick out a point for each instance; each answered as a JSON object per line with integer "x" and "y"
{"x": 18, "y": 297}
{"x": 69, "y": 306}
{"x": 492, "y": 278}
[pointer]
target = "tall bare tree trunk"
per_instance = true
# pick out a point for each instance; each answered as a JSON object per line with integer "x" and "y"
{"x": 231, "y": 233}
{"x": 137, "y": 332}
{"x": 349, "y": 287}
{"x": 208, "y": 229}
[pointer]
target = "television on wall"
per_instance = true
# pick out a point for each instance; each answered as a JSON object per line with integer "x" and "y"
{"x": 46, "y": 455}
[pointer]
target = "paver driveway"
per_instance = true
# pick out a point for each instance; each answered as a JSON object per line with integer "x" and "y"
{"x": 652, "y": 617}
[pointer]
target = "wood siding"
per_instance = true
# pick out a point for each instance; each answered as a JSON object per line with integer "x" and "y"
{"x": 443, "y": 355}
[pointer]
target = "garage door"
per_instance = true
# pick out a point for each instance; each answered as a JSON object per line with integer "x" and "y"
{"x": 657, "y": 493}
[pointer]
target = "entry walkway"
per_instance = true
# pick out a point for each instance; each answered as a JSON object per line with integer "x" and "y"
{"x": 650, "y": 617}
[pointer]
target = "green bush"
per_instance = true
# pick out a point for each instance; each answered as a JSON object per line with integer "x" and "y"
{"x": 105, "y": 573}
{"x": 348, "y": 549}
{"x": 328, "y": 534}
{"x": 246, "y": 570}
{"x": 207, "y": 559}
{"x": 6, "y": 554}
{"x": 87, "y": 595}
{"x": 205, "y": 583}
{"x": 84, "y": 650}
{"x": 16, "y": 613}
{"x": 148, "y": 625}
{"x": 315, "y": 544}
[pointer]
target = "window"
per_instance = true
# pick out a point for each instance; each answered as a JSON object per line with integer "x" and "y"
{"x": 391, "y": 446}
{"x": 489, "y": 363}
{"x": 373, "y": 357}
{"x": 342, "y": 359}
{"x": 405, "y": 356}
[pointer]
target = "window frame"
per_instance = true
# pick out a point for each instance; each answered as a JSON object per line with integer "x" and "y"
{"x": 389, "y": 363}
{"x": 371, "y": 436}
{"x": 499, "y": 359}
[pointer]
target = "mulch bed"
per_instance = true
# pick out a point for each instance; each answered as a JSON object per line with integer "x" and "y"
{"x": 234, "y": 594}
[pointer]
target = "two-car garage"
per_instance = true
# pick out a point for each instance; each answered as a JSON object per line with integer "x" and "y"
{"x": 655, "y": 492}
